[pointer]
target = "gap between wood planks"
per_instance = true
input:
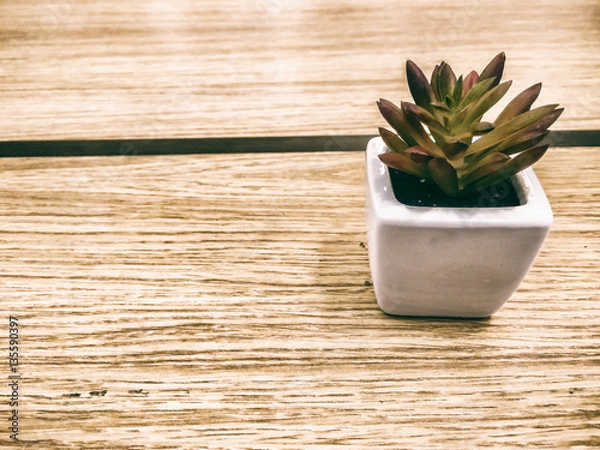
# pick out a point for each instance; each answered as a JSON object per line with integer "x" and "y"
{"x": 264, "y": 144}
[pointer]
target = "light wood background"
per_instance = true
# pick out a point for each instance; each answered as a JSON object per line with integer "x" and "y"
{"x": 139, "y": 68}
{"x": 223, "y": 301}
{"x": 170, "y": 302}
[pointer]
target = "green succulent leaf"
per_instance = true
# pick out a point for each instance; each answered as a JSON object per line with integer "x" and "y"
{"x": 419, "y": 133}
{"x": 494, "y": 69}
{"x": 444, "y": 175}
{"x": 476, "y": 92}
{"x": 395, "y": 117}
{"x": 470, "y": 80}
{"x": 419, "y": 86}
{"x": 408, "y": 126}
{"x": 523, "y": 142}
{"x": 480, "y": 128}
{"x": 434, "y": 83}
{"x": 392, "y": 141}
{"x": 519, "y": 104}
{"x": 478, "y": 108}
{"x": 510, "y": 168}
{"x": 426, "y": 118}
{"x": 446, "y": 81}
{"x": 509, "y": 129}
{"x": 404, "y": 164}
{"x": 441, "y": 113}
{"x": 454, "y": 149}
{"x": 449, "y": 102}
{"x": 491, "y": 163}
{"x": 458, "y": 90}
{"x": 545, "y": 122}
{"x": 420, "y": 155}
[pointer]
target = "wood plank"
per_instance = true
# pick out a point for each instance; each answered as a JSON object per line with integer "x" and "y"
{"x": 138, "y": 69}
{"x": 191, "y": 302}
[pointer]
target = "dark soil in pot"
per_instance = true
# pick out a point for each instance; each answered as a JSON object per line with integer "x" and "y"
{"x": 412, "y": 191}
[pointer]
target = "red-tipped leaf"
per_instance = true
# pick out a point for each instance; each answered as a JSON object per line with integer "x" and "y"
{"x": 494, "y": 69}
{"x": 404, "y": 164}
{"x": 446, "y": 81}
{"x": 392, "y": 140}
{"x": 419, "y": 86}
{"x": 515, "y": 165}
{"x": 518, "y": 105}
{"x": 418, "y": 154}
{"x": 454, "y": 149}
{"x": 470, "y": 80}
{"x": 444, "y": 175}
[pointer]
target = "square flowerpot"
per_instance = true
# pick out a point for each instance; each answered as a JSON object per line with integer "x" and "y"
{"x": 445, "y": 261}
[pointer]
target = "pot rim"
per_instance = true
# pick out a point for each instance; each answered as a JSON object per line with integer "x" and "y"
{"x": 535, "y": 212}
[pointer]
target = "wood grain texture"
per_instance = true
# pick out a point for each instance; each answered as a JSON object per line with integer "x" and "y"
{"x": 211, "y": 302}
{"x": 146, "y": 69}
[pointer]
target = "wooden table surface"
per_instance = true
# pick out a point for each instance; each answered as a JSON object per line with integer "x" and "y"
{"x": 195, "y": 302}
{"x": 223, "y": 301}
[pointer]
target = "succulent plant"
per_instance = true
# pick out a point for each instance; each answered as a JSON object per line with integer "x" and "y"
{"x": 441, "y": 137}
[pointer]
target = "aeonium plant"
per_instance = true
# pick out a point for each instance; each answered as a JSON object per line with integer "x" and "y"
{"x": 442, "y": 137}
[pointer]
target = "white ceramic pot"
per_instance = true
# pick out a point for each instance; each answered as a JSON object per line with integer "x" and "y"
{"x": 450, "y": 262}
